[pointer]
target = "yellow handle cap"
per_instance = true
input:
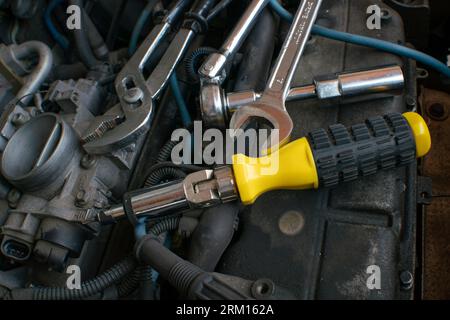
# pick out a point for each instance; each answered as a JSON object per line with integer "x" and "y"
{"x": 421, "y": 133}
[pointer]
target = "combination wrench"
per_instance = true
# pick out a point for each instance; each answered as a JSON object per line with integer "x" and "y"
{"x": 271, "y": 106}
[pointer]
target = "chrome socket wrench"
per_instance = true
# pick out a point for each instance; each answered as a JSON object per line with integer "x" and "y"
{"x": 217, "y": 106}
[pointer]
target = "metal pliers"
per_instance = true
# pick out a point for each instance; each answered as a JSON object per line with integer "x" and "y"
{"x": 122, "y": 124}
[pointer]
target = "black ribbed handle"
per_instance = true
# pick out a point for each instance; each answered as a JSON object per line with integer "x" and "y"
{"x": 345, "y": 154}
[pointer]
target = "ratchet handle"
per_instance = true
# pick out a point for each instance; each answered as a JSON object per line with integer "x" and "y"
{"x": 344, "y": 154}
{"x": 326, "y": 158}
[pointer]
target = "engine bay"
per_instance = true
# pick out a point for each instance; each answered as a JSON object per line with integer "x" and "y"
{"x": 170, "y": 149}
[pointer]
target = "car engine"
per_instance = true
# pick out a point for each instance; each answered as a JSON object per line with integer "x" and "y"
{"x": 117, "y": 119}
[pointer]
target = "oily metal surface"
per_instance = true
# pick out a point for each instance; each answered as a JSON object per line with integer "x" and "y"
{"x": 436, "y": 248}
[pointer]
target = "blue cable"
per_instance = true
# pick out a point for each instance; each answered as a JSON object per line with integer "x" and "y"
{"x": 137, "y": 30}
{"x": 281, "y": 11}
{"x": 175, "y": 86}
{"x": 140, "y": 230}
{"x": 56, "y": 35}
{"x": 368, "y": 42}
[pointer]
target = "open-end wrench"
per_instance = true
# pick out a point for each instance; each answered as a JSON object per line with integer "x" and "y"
{"x": 131, "y": 117}
{"x": 271, "y": 107}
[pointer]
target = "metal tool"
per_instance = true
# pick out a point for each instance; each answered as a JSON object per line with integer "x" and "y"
{"x": 325, "y": 158}
{"x": 271, "y": 105}
{"x": 131, "y": 117}
{"x": 217, "y": 106}
{"x": 194, "y": 24}
{"x": 199, "y": 190}
{"x": 213, "y": 66}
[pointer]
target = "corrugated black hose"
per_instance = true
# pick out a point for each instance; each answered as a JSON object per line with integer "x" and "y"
{"x": 163, "y": 174}
{"x": 142, "y": 276}
{"x": 88, "y": 289}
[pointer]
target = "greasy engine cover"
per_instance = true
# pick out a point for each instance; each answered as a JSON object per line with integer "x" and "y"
{"x": 323, "y": 244}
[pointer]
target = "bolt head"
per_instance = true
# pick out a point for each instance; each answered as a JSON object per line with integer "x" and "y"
{"x": 88, "y": 161}
{"x": 406, "y": 280}
{"x": 14, "y": 196}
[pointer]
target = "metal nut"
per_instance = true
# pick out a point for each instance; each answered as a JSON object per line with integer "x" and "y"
{"x": 88, "y": 161}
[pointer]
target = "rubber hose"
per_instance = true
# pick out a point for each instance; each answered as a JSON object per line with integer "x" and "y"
{"x": 213, "y": 236}
{"x": 56, "y": 35}
{"x": 222, "y": 5}
{"x": 150, "y": 276}
{"x": 179, "y": 98}
{"x": 146, "y": 290}
{"x": 82, "y": 41}
{"x": 140, "y": 278}
{"x": 258, "y": 53}
{"x": 115, "y": 24}
{"x": 177, "y": 271}
{"x": 96, "y": 40}
{"x": 166, "y": 151}
{"x": 88, "y": 289}
{"x": 166, "y": 225}
{"x": 140, "y": 24}
{"x": 192, "y": 62}
{"x": 159, "y": 176}
{"x": 130, "y": 283}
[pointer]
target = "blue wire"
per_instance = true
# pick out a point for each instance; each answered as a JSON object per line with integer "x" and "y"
{"x": 140, "y": 229}
{"x": 281, "y": 11}
{"x": 185, "y": 116}
{"x": 56, "y": 35}
{"x": 137, "y": 30}
{"x": 368, "y": 42}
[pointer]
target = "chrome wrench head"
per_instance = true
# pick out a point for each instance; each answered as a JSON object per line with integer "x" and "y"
{"x": 277, "y": 118}
{"x": 271, "y": 107}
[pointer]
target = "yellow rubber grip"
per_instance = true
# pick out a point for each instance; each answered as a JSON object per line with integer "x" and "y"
{"x": 291, "y": 167}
